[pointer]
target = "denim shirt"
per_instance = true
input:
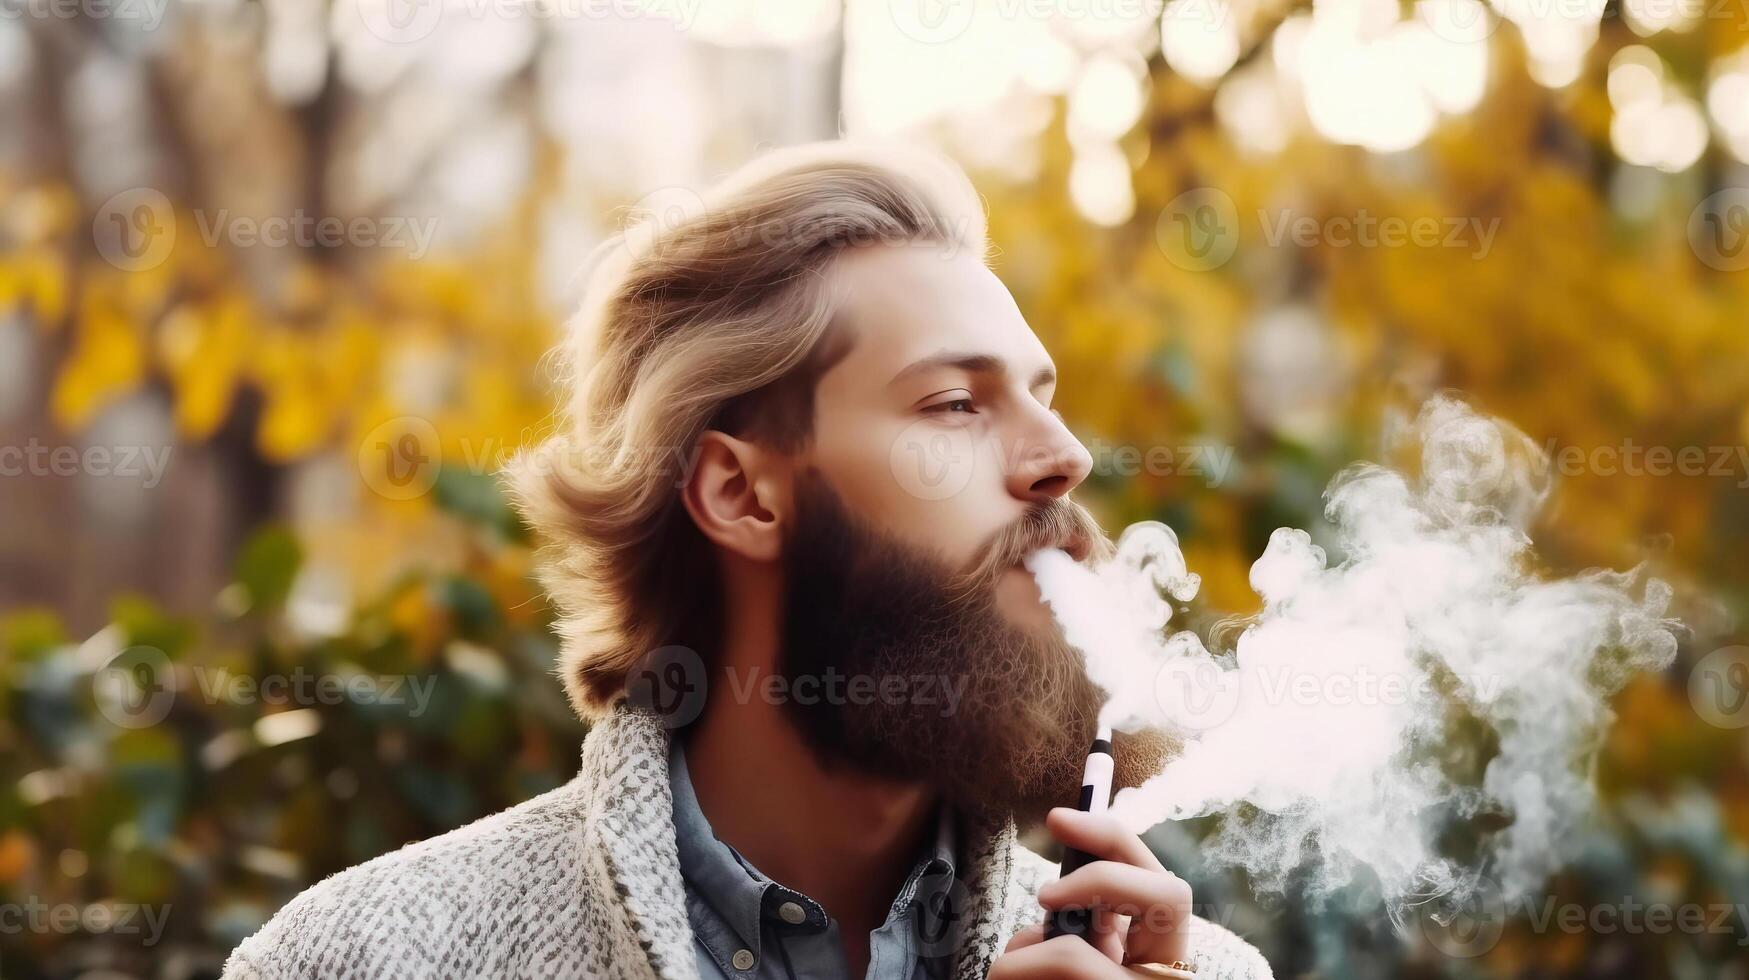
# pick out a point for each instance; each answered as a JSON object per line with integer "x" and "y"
{"x": 747, "y": 927}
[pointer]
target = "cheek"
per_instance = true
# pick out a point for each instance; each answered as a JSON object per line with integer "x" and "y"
{"x": 927, "y": 484}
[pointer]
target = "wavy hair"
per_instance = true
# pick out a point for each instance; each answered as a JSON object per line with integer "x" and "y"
{"x": 718, "y": 320}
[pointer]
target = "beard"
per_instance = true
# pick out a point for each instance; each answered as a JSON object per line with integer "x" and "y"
{"x": 870, "y": 613}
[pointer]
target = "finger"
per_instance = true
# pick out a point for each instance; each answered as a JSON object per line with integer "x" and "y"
{"x": 1100, "y": 835}
{"x": 1105, "y": 932}
{"x": 1109, "y": 933}
{"x": 1158, "y": 904}
{"x": 1123, "y": 889}
{"x": 1062, "y": 958}
{"x": 1030, "y": 936}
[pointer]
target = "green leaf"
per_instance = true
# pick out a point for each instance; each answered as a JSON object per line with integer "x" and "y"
{"x": 148, "y": 626}
{"x": 476, "y": 614}
{"x": 267, "y": 565}
{"x": 28, "y": 634}
{"x": 478, "y": 499}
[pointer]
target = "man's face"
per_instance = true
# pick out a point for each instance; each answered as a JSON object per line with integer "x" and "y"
{"x": 936, "y": 466}
{"x": 937, "y": 426}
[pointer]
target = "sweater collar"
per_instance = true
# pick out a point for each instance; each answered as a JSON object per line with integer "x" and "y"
{"x": 625, "y": 781}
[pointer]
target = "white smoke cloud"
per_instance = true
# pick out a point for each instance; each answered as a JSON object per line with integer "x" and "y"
{"x": 1433, "y": 674}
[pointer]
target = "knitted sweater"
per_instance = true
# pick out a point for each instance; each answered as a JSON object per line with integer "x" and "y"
{"x": 584, "y": 881}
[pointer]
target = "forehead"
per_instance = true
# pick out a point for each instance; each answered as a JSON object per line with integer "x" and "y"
{"x": 902, "y": 304}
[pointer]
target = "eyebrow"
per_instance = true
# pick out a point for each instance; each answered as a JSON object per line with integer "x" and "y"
{"x": 971, "y": 363}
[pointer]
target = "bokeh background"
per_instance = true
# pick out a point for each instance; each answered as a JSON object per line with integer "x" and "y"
{"x": 276, "y": 279}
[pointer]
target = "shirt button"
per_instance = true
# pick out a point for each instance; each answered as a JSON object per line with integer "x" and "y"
{"x": 742, "y": 960}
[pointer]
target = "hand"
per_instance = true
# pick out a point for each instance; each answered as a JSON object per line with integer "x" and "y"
{"x": 1141, "y": 910}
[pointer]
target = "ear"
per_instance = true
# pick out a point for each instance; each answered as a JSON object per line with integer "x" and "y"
{"x": 736, "y": 495}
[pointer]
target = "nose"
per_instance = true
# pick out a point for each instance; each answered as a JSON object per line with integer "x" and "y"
{"x": 1049, "y": 461}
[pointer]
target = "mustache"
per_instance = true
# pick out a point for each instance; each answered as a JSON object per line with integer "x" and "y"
{"x": 1058, "y": 523}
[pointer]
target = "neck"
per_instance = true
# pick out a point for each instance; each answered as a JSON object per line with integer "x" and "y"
{"x": 841, "y": 837}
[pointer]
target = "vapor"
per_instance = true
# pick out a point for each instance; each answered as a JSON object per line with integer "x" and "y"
{"x": 1434, "y": 676}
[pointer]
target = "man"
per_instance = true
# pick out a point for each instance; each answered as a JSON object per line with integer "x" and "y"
{"x": 809, "y": 444}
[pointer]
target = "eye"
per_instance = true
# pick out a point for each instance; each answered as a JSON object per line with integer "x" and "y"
{"x": 958, "y": 406}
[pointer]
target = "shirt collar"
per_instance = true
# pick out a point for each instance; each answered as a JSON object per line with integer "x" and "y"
{"x": 714, "y": 874}
{"x": 740, "y": 896}
{"x": 937, "y": 862}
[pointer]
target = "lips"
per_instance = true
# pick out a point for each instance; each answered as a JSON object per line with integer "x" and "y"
{"x": 1060, "y": 526}
{"x": 1077, "y": 547}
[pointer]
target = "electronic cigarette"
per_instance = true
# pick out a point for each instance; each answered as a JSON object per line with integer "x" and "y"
{"x": 1095, "y": 797}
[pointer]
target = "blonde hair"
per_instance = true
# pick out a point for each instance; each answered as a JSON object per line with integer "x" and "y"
{"x": 717, "y": 320}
